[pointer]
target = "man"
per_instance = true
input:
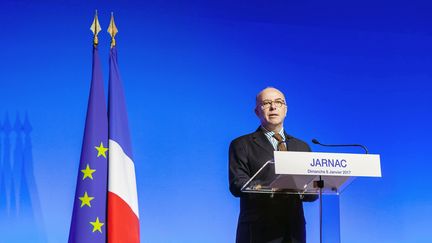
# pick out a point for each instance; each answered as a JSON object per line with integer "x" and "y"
{"x": 266, "y": 218}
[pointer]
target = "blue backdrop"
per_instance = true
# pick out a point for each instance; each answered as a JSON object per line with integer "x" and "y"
{"x": 356, "y": 71}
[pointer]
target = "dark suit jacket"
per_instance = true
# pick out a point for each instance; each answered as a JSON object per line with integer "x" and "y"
{"x": 262, "y": 217}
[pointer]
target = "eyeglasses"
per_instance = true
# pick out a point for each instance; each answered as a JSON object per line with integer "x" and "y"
{"x": 266, "y": 104}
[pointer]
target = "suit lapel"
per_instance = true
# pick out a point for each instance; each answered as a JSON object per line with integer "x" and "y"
{"x": 261, "y": 140}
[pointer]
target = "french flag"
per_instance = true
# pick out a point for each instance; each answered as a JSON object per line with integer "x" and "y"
{"x": 123, "y": 216}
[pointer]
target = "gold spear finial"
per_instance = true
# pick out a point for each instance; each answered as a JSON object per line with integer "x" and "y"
{"x": 112, "y": 30}
{"x": 95, "y": 28}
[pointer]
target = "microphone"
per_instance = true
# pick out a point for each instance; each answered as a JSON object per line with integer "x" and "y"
{"x": 315, "y": 141}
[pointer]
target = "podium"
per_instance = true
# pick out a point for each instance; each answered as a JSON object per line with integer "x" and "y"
{"x": 313, "y": 175}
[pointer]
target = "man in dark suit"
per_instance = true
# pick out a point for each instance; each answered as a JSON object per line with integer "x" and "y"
{"x": 265, "y": 218}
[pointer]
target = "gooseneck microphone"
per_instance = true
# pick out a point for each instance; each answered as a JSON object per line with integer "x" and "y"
{"x": 315, "y": 141}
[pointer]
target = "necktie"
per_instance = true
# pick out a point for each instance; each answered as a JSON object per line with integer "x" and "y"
{"x": 281, "y": 145}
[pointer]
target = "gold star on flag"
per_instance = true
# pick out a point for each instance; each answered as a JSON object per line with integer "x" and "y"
{"x": 88, "y": 172}
{"x": 85, "y": 200}
{"x": 97, "y": 225}
{"x": 101, "y": 150}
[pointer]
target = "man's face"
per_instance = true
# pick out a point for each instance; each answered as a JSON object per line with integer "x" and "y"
{"x": 271, "y": 109}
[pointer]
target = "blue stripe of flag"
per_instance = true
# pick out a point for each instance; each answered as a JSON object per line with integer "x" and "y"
{"x": 118, "y": 120}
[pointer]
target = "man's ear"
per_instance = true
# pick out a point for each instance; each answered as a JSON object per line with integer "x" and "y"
{"x": 256, "y": 112}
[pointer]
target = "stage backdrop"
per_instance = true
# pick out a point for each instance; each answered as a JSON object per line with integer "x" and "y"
{"x": 352, "y": 73}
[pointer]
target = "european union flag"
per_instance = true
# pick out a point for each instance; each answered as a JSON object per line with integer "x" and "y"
{"x": 89, "y": 209}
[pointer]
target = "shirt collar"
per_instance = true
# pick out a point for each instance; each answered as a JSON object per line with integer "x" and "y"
{"x": 270, "y": 134}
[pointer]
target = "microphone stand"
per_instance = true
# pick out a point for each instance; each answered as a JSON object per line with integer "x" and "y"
{"x": 320, "y": 183}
